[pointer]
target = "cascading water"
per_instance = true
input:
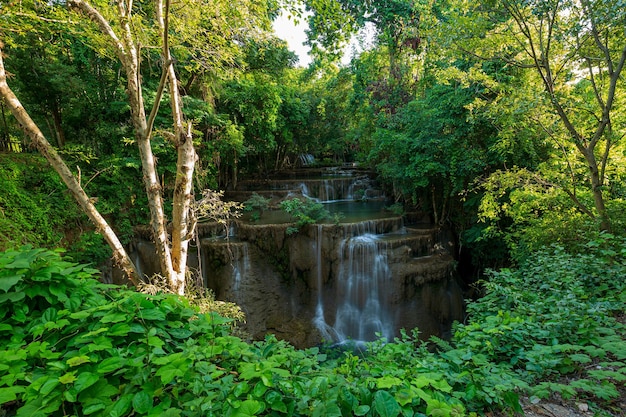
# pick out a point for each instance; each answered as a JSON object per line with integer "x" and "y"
{"x": 363, "y": 277}
{"x": 241, "y": 268}
{"x": 362, "y": 306}
{"x": 357, "y": 276}
{"x": 327, "y": 331}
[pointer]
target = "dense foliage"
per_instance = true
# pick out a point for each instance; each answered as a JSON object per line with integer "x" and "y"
{"x": 71, "y": 345}
{"x": 503, "y": 121}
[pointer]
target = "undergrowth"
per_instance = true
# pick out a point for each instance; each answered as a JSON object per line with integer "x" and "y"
{"x": 70, "y": 345}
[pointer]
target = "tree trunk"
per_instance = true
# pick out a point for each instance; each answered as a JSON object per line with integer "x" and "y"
{"x": 596, "y": 189}
{"x": 127, "y": 53}
{"x": 182, "y": 215}
{"x": 60, "y": 133}
{"x": 41, "y": 143}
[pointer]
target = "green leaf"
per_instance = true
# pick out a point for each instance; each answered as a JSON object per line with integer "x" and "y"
{"x": 114, "y": 318}
{"x": 142, "y": 402}
{"x": 43, "y": 274}
{"x": 23, "y": 259}
{"x": 49, "y": 386}
{"x": 6, "y": 283}
{"x": 155, "y": 341}
{"x": 248, "y": 408}
{"x": 119, "y": 329}
{"x": 109, "y": 365}
{"x": 12, "y": 296}
{"x": 362, "y": 410}
{"x": 152, "y": 314}
{"x": 168, "y": 373}
{"x": 385, "y": 405}
{"x": 275, "y": 401}
{"x": 78, "y": 360}
{"x": 438, "y": 408}
{"x": 68, "y": 378}
{"x": 85, "y": 380}
{"x": 80, "y": 315}
{"x": 10, "y": 393}
{"x": 121, "y": 406}
{"x": 388, "y": 382}
{"x": 92, "y": 408}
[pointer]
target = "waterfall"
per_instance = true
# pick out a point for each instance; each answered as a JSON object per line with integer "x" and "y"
{"x": 241, "y": 268}
{"x": 326, "y": 331}
{"x": 364, "y": 276}
{"x": 306, "y": 159}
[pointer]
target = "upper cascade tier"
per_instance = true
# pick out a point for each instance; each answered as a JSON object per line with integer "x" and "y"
{"x": 320, "y": 184}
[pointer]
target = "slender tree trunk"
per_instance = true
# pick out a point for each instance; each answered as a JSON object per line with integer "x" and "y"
{"x": 43, "y": 146}
{"x": 596, "y": 189}
{"x": 60, "y": 133}
{"x": 182, "y": 214}
{"x": 127, "y": 53}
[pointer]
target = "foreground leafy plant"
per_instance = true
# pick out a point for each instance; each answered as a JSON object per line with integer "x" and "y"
{"x": 72, "y": 346}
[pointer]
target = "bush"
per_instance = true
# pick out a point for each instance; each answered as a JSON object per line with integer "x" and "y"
{"x": 70, "y": 345}
{"x": 305, "y": 212}
{"x": 35, "y": 206}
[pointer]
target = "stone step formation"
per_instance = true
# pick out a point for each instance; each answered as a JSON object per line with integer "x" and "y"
{"x": 363, "y": 277}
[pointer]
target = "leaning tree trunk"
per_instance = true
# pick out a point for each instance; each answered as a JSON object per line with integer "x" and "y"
{"x": 43, "y": 146}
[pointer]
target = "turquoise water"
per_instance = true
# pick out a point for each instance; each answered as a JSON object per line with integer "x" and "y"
{"x": 346, "y": 211}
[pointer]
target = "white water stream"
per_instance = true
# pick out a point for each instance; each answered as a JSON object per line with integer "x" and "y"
{"x": 364, "y": 276}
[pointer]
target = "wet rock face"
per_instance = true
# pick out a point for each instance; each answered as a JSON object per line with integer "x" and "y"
{"x": 281, "y": 281}
{"x": 331, "y": 281}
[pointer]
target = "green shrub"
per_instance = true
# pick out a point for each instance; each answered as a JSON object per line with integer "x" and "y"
{"x": 305, "y": 212}
{"x": 35, "y": 206}
{"x": 257, "y": 204}
{"x": 70, "y": 345}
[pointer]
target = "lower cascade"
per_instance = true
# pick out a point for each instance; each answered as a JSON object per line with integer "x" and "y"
{"x": 364, "y": 277}
{"x": 368, "y": 275}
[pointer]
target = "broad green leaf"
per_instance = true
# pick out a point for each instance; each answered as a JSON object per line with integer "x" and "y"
{"x": 388, "y": 382}
{"x": 275, "y": 401}
{"x": 85, "y": 380}
{"x": 92, "y": 408}
{"x": 43, "y": 274}
{"x": 248, "y": 408}
{"x": 10, "y": 393}
{"x": 121, "y": 406}
{"x": 155, "y": 341}
{"x": 109, "y": 365}
{"x": 119, "y": 329}
{"x": 152, "y": 314}
{"x": 438, "y": 408}
{"x": 142, "y": 402}
{"x": 6, "y": 283}
{"x": 78, "y": 360}
{"x": 168, "y": 373}
{"x": 80, "y": 315}
{"x": 385, "y": 405}
{"x": 114, "y": 318}
{"x": 362, "y": 410}
{"x": 49, "y": 386}
{"x": 12, "y": 296}
{"x": 68, "y": 378}
{"x": 71, "y": 395}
